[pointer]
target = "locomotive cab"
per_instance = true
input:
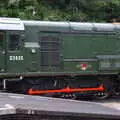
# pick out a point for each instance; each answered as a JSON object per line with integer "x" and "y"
{"x": 11, "y": 35}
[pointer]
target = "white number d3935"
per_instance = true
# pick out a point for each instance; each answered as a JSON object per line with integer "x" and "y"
{"x": 16, "y": 58}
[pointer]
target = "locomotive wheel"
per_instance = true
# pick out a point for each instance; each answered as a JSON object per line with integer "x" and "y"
{"x": 25, "y": 85}
{"x": 108, "y": 85}
{"x": 102, "y": 96}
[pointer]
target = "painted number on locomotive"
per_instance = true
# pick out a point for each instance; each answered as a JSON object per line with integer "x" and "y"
{"x": 11, "y": 58}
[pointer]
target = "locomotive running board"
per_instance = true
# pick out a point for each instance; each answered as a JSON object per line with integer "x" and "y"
{"x": 65, "y": 90}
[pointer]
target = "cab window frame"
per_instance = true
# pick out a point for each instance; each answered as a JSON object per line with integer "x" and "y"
{"x": 14, "y": 43}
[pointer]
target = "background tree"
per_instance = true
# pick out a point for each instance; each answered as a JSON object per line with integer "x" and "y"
{"x": 62, "y": 10}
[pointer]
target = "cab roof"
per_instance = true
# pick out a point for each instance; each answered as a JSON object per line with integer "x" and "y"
{"x": 11, "y": 24}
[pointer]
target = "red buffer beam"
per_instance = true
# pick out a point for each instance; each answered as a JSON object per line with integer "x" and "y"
{"x": 65, "y": 90}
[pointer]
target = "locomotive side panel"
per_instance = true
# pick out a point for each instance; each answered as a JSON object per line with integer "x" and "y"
{"x": 46, "y": 35}
{"x": 59, "y": 49}
{"x": 50, "y": 51}
{"x": 31, "y": 49}
{"x": 82, "y": 50}
{"x": 15, "y": 52}
{"x": 77, "y": 52}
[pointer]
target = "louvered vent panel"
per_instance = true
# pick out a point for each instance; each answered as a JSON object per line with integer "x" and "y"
{"x": 50, "y": 53}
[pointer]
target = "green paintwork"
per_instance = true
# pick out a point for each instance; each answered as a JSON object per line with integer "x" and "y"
{"x": 76, "y": 66}
{"x": 32, "y": 60}
{"x": 88, "y": 46}
{"x": 2, "y": 52}
{"x": 14, "y": 65}
{"x": 76, "y": 48}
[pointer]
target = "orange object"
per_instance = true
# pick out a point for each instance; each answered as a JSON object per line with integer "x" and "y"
{"x": 65, "y": 90}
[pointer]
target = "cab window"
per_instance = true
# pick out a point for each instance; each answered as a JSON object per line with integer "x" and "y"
{"x": 14, "y": 42}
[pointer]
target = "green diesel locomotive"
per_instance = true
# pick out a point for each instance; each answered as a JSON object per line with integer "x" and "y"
{"x": 64, "y": 59}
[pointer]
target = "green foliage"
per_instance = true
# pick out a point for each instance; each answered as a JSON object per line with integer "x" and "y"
{"x": 62, "y": 10}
